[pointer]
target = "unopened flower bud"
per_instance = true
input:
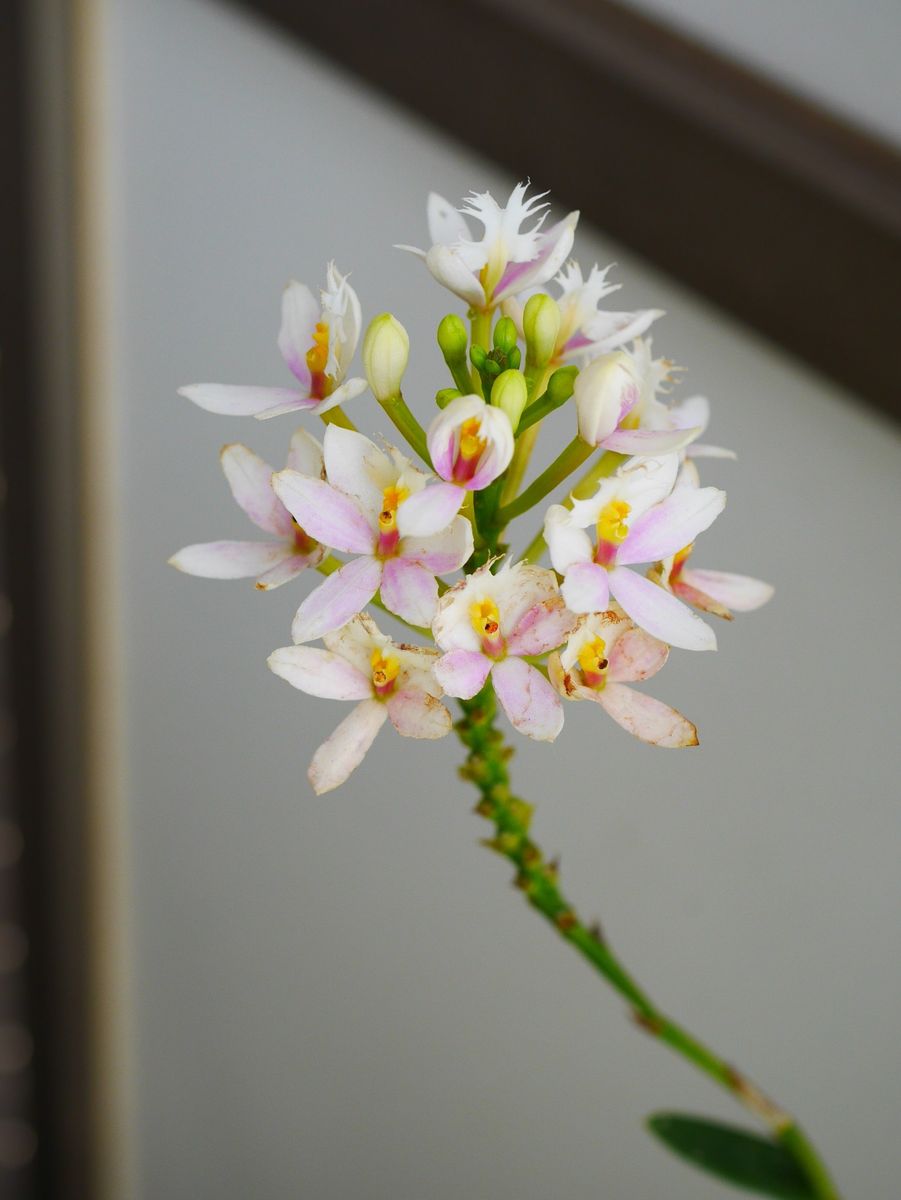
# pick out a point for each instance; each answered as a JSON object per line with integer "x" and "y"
{"x": 606, "y": 391}
{"x": 445, "y": 395}
{"x": 452, "y": 338}
{"x": 505, "y": 335}
{"x": 386, "y": 351}
{"x": 541, "y": 326}
{"x": 510, "y": 392}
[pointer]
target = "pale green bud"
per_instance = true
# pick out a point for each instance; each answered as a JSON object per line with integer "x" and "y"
{"x": 386, "y": 351}
{"x": 510, "y": 392}
{"x": 541, "y": 326}
{"x": 452, "y": 338}
{"x": 444, "y": 397}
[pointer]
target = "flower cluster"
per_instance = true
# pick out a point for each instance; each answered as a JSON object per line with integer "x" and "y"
{"x": 382, "y": 527}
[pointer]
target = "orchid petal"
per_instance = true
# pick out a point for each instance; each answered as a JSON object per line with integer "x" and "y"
{"x": 451, "y": 271}
{"x": 305, "y": 454}
{"x": 531, "y": 704}
{"x": 235, "y": 400}
{"x": 442, "y": 552}
{"x": 703, "y": 450}
{"x": 250, "y": 480}
{"x": 446, "y": 224}
{"x": 290, "y": 568}
{"x": 636, "y": 655}
{"x": 416, "y": 714}
{"x": 555, "y": 244}
{"x": 659, "y": 612}
{"x": 648, "y": 441}
{"x": 646, "y": 718}
{"x": 343, "y": 752}
{"x": 334, "y": 602}
{"x": 462, "y": 673}
{"x": 349, "y": 390}
{"x": 300, "y": 313}
{"x": 409, "y": 591}
{"x": 585, "y": 588}
{"x": 320, "y": 673}
{"x": 567, "y": 543}
{"x": 357, "y": 466}
{"x": 740, "y": 593}
{"x": 430, "y": 510}
{"x": 672, "y": 524}
{"x": 543, "y": 627}
{"x": 229, "y": 560}
{"x": 325, "y": 513}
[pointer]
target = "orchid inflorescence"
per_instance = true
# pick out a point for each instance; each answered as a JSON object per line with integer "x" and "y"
{"x": 391, "y": 528}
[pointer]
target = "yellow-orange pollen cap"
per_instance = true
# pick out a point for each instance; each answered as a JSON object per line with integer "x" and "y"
{"x": 471, "y": 444}
{"x": 385, "y": 670}
{"x": 612, "y": 522}
{"x": 593, "y": 661}
{"x": 486, "y": 621}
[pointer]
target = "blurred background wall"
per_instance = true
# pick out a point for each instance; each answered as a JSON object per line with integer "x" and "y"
{"x": 344, "y": 996}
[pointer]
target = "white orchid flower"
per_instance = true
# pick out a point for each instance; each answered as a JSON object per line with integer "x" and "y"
{"x": 506, "y": 259}
{"x": 719, "y": 593}
{"x": 636, "y": 517}
{"x": 471, "y": 442}
{"x": 273, "y": 562}
{"x": 606, "y": 652}
{"x": 488, "y": 625}
{"x": 390, "y": 681}
{"x": 378, "y": 506}
{"x": 317, "y": 340}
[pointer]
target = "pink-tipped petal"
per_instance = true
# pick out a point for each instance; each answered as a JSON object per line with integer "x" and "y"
{"x": 229, "y": 560}
{"x": 585, "y": 588}
{"x": 648, "y": 441}
{"x": 430, "y": 510}
{"x": 325, "y": 513}
{"x": 740, "y": 593}
{"x": 343, "y": 752}
{"x": 543, "y": 627}
{"x": 554, "y": 246}
{"x": 462, "y": 673}
{"x": 646, "y": 718}
{"x": 416, "y": 714}
{"x": 442, "y": 552}
{"x": 289, "y": 568}
{"x": 250, "y": 480}
{"x": 319, "y": 673}
{"x": 334, "y": 602}
{"x": 531, "y": 704}
{"x": 659, "y": 612}
{"x": 636, "y": 655}
{"x": 234, "y": 400}
{"x": 672, "y": 524}
{"x": 410, "y": 591}
{"x": 300, "y": 312}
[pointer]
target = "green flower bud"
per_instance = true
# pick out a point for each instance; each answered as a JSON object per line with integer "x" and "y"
{"x": 510, "y": 392}
{"x": 444, "y": 397}
{"x": 452, "y": 338}
{"x": 505, "y": 335}
{"x": 386, "y": 351}
{"x": 479, "y": 357}
{"x": 541, "y": 325}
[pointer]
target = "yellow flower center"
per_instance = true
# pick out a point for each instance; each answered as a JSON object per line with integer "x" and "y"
{"x": 392, "y": 498}
{"x": 317, "y": 355}
{"x": 612, "y": 525}
{"x": 680, "y": 557}
{"x": 384, "y": 670}
{"x": 485, "y": 618}
{"x": 593, "y": 661}
{"x": 471, "y": 444}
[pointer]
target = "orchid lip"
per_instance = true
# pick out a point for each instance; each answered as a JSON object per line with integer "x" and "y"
{"x": 605, "y": 555}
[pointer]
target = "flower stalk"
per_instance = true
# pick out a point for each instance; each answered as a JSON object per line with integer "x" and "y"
{"x": 538, "y": 878}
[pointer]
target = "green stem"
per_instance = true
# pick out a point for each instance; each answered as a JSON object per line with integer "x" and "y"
{"x": 400, "y": 414}
{"x": 525, "y": 444}
{"x": 567, "y": 461}
{"x": 486, "y": 768}
{"x": 480, "y": 335}
{"x": 337, "y": 416}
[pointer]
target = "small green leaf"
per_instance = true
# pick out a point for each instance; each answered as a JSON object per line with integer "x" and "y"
{"x": 744, "y": 1159}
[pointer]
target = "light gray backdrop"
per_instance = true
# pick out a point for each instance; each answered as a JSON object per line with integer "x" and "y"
{"x": 344, "y": 997}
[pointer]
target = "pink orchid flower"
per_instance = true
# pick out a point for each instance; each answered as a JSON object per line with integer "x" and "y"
{"x": 317, "y": 341}
{"x": 488, "y": 625}
{"x": 471, "y": 442}
{"x": 636, "y": 517}
{"x": 606, "y": 652}
{"x": 390, "y": 681}
{"x": 273, "y": 562}
{"x": 716, "y": 592}
{"x": 506, "y": 259}
{"x": 375, "y": 504}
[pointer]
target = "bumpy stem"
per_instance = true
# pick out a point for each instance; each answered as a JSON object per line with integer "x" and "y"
{"x": 486, "y": 767}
